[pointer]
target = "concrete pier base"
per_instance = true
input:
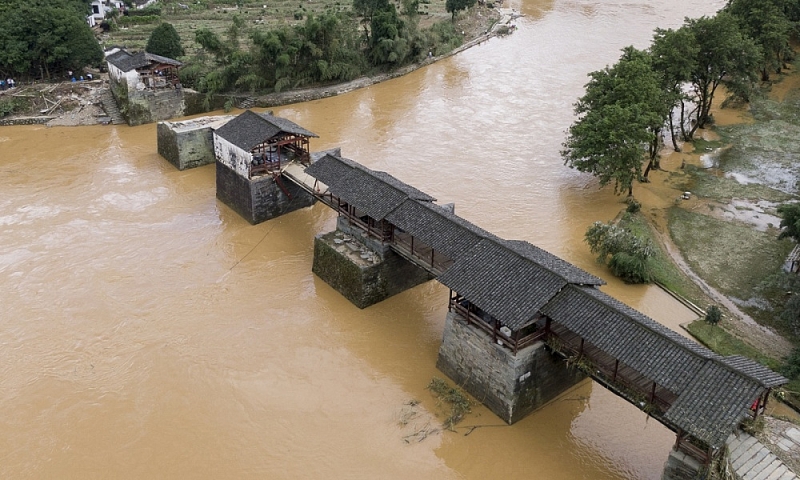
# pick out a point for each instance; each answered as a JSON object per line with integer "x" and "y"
{"x": 259, "y": 199}
{"x": 511, "y": 386}
{"x": 680, "y": 466}
{"x": 190, "y": 143}
{"x": 360, "y": 273}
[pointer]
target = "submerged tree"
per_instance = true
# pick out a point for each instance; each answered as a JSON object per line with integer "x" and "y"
{"x": 723, "y": 53}
{"x": 626, "y": 254}
{"x": 767, "y": 23}
{"x": 674, "y": 55}
{"x": 620, "y": 115}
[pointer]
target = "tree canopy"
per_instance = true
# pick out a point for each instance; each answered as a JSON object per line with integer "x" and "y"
{"x": 455, "y": 6}
{"x": 164, "y": 41}
{"x": 790, "y": 221}
{"x": 619, "y": 117}
{"x": 46, "y": 38}
{"x": 767, "y": 23}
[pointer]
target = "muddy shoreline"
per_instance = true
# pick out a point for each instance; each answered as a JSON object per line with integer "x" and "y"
{"x": 93, "y": 113}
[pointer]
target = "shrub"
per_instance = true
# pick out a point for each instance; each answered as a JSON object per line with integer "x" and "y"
{"x": 713, "y": 315}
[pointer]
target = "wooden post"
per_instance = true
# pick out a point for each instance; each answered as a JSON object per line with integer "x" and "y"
{"x": 412, "y": 245}
{"x": 581, "y": 350}
{"x": 494, "y": 333}
{"x": 616, "y": 367}
{"x": 653, "y": 393}
{"x": 432, "y": 257}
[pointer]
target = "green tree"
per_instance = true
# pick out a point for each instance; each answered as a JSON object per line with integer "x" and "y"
{"x": 620, "y": 115}
{"x": 724, "y": 52}
{"x": 366, "y": 9}
{"x": 390, "y": 42}
{"x": 455, "y": 6}
{"x": 626, "y": 254}
{"x": 790, "y": 221}
{"x": 41, "y": 38}
{"x": 674, "y": 54}
{"x": 767, "y": 23}
{"x": 164, "y": 41}
{"x": 713, "y": 315}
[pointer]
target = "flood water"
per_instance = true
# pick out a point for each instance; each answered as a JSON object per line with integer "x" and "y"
{"x": 147, "y": 331}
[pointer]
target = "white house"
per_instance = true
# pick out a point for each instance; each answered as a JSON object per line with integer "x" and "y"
{"x": 142, "y": 70}
{"x": 101, "y": 7}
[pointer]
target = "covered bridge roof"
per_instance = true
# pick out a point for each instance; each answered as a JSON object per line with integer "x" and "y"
{"x": 373, "y": 192}
{"x": 511, "y": 280}
{"x": 438, "y": 227}
{"x": 714, "y": 392}
{"x": 249, "y": 129}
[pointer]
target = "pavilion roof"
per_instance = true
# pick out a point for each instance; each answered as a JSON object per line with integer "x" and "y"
{"x": 249, "y": 129}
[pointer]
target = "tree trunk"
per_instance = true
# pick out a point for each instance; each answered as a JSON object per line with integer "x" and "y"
{"x": 672, "y": 132}
{"x": 684, "y": 133}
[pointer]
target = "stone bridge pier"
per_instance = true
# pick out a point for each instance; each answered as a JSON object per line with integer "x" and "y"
{"x": 362, "y": 269}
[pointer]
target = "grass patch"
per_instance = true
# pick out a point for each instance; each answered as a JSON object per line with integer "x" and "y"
{"x": 707, "y": 184}
{"x": 662, "y": 267}
{"x": 702, "y": 145}
{"x": 723, "y": 343}
{"x": 453, "y": 400}
{"x": 732, "y": 257}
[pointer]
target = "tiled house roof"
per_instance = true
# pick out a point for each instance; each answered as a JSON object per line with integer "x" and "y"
{"x": 249, "y": 129}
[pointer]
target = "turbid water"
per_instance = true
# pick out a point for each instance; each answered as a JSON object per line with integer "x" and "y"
{"x": 149, "y": 332}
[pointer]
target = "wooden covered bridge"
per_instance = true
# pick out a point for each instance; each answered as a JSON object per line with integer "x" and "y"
{"x": 516, "y": 296}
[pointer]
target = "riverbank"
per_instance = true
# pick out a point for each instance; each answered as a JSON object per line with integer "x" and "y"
{"x": 80, "y": 103}
{"x": 723, "y": 238}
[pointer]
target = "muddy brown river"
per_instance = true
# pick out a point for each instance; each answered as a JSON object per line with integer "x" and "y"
{"x": 147, "y": 331}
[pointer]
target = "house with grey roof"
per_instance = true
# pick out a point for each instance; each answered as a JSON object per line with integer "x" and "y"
{"x": 254, "y": 144}
{"x": 145, "y": 85}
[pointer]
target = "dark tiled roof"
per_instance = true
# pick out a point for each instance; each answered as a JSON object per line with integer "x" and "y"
{"x": 438, "y": 227}
{"x": 288, "y": 126}
{"x": 570, "y": 272}
{"x": 331, "y": 169}
{"x": 714, "y": 403}
{"x": 375, "y": 193}
{"x": 761, "y": 374}
{"x": 503, "y": 283}
{"x": 249, "y": 129}
{"x": 636, "y": 340}
{"x": 714, "y": 393}
{"x": 127, "y": 62}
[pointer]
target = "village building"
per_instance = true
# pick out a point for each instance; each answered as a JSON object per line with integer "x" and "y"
{"x": 251, "y": 152}
{"x": 146, "y": 86}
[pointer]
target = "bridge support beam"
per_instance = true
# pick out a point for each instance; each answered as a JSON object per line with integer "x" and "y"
{"x": 510, "y": 385}
{"x": 680, "y": 466}
{"x": 362, "y": 274}
{"x": 259, "y": 199}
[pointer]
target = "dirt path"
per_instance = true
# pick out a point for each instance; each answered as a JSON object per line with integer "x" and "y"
{"x": 761, "y": 337}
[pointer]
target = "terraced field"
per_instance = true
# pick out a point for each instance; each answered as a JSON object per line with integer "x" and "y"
{"x": 217, "y": 15}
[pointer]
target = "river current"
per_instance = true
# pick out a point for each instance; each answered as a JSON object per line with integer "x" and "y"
{"x": 147, "y": 331}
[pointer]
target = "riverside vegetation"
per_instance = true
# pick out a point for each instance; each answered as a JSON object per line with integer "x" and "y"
{"x": 231, "y": 46}
{"x": 743, "y": 176}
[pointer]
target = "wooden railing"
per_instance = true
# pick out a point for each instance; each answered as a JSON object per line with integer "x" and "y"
{"x": 493, "y": 329}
